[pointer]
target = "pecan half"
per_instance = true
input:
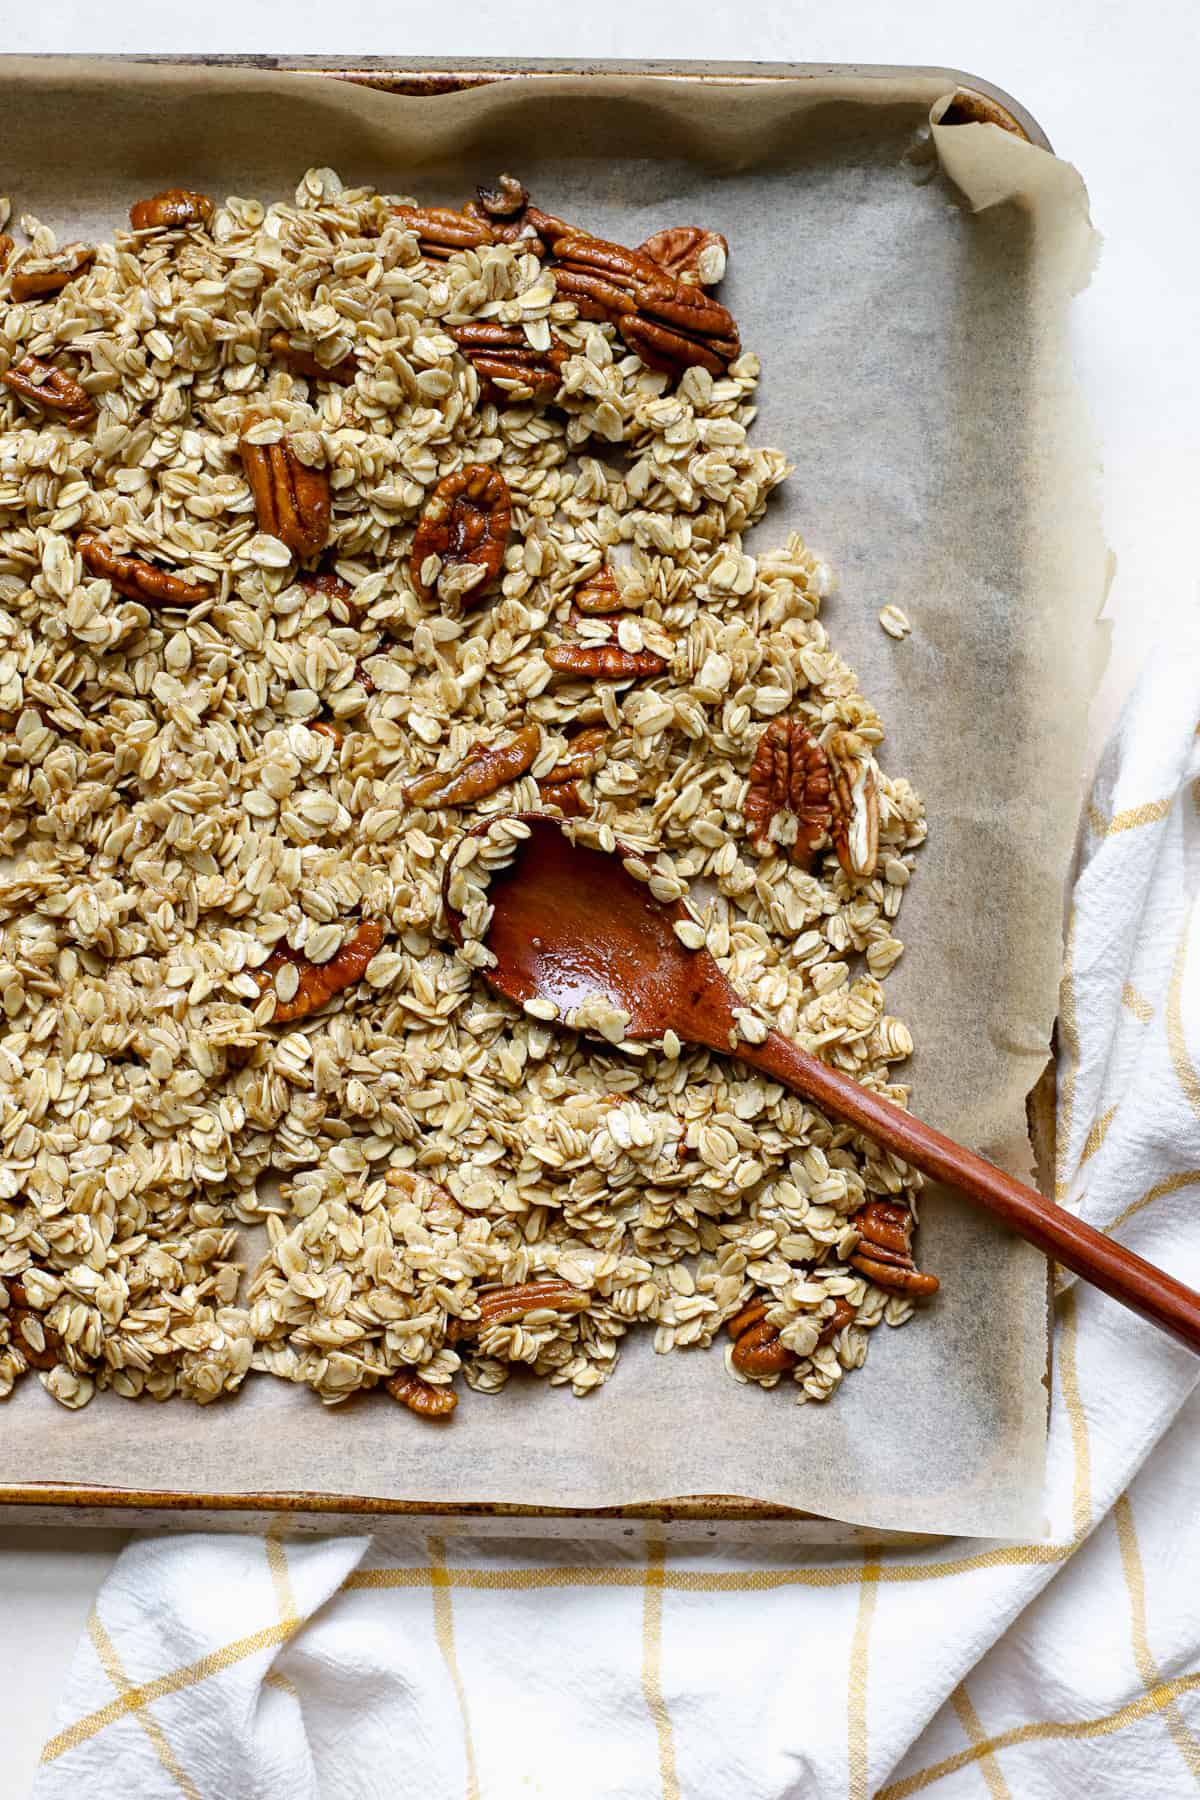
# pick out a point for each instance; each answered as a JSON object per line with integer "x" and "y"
{"x": 136, "y": 578}
{"x": 51, "y": 387}
{"x": 884, "y": 1253}
{"x": 420, "y": 1396}
{"x": 758, "y": 1348}
{"x": 604, "y": 662}
{"x": 27, "y": 1331}
{"x": 789, "y": 774}
{"x": 844, "y": 1313}
{"x": 481, "y": 772}
{"x": 503, "y": 1306}
{"x": 689, "y": 253}
{"x": 303, "y": 362}
{"x": 599, "y": 594}
{"x": 856, "y": 804}
{"x": 171, "y": 210}
{"x": 671, "y": 324}
{"x": 40, "y": 276}
{"x": 502, "y": 353}
{"x": 443, "y": 232}
{"x": 319, "y": 982}
{"x": 291, "y": 500}
{"x": 467, "y": 520}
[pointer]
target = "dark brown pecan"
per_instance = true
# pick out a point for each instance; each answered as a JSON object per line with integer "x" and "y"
{"x": 421, "y": 1396}
{"x": 136, "y": 578}
{"x": 503, "y": 1306}
{"x": 502, "y": 353}
{"x": 789, "y": 774}
{"x": 319, "y": 982}
{"x": 171, "y": 210}
{"x": 467, "y": 520}
{"x": 41, "y": 276}
{"x": 481, "y": 772}
{"x": 604, "y": 662}
{"x": 363, "y": 679}
{"x": 52, "y": 388}
{"x": 27, "y": 1330}
{"x": 884, "y": 1253}
{"x": 844, "y": 1313}
{"x": 599, "y": 594}
{"x": 443, "y": 232}
{"x": 513, "y": 219}
{"x": 855, "y": 805}
{"x": 291, "y": 500}
{"x": 303, "y": 362}
{"x": 757, "y": 1347}
{"x": 671, "y": 324}
{"x": 563, "y": 797}
{"x": 560, "y": 788}
{"x": 508, "y": 198}
{"x": 680, "y": 250}
{"x": 581, "y": 756}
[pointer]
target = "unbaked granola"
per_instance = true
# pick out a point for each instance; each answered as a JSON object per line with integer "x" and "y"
{"x": 204, "y": 804}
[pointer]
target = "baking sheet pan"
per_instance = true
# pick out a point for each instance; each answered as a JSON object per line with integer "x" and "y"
{"x": 991, "y": 415}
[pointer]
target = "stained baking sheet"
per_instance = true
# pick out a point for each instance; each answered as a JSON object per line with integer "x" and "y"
{"x": 915, "y": 370}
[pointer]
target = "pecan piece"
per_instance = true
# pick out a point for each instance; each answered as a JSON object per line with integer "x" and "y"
{"x": 41, "y": 276}
{"x": 443, "y": 232}
{"x": 604, "y": 662}
{"x": 327, "y": 582}
{"x": 171, "y": 210}
{"x": 599, "y": 594}
{"x": 291, "y": 500}
{"x": 563, "y": 796}
{"x": 512, "y": 218}
{"x": 560, "y": 788}
{"x": 503, "y": 1306}
{"x": 844, "y": 1313}
{"x": 502, "y": 353}
{"x": 689, "y": 253}
{"x": 481, "y": 772}
{"x": 884, "y": 1253}
{"x": 421, "y": 1396}
{"x": 136, "y": 578}
{"x": 53, "y": 388}
{"x": 789, "y": 774}
{"x": 856, "y": 805}
{"x": 303, "y": 362}
{"x": 319, "y": 982}
{"x": 508, "y": 198}
{"x": 757, "y": 1347}
{"x": 582, "y": 752}
{"x": 326, "y": 728}
{"x": 27, "y": 1331}
{"x": 467, "y": 520}
{"x": 435, "y": 1202}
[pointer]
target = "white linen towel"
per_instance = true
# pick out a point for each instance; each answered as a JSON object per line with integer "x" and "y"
{"x": 237, "y": 1668}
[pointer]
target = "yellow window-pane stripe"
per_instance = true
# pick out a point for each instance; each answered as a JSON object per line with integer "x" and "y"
{"x": 443, "y": 1631}
{"x": 1185, "y": 1741}
{"x": 111, "y": 1663}
{"x": 857, "y": 1727}
{"x": 972, "y": 1725}
{"x": 652, "y": 1688}
{"x": 1148, "y": 813}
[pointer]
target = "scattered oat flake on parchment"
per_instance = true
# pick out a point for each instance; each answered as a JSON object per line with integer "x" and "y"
{"x": 896, "y": 623}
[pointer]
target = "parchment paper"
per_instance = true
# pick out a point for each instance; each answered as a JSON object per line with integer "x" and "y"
{"x": 915, "y": 369}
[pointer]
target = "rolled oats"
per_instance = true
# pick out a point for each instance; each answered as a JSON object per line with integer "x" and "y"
{"x": 200, "y": 805}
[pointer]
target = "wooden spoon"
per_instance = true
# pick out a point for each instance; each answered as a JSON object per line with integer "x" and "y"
{"x": 571, "y": 924}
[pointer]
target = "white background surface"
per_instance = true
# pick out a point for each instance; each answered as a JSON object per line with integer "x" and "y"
{"x": 1112, "y": 85}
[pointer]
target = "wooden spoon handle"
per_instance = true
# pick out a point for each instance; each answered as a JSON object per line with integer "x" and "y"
{"x": 1157, "y": 1296}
